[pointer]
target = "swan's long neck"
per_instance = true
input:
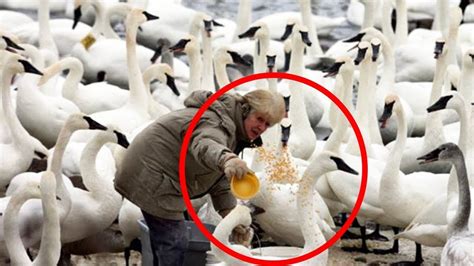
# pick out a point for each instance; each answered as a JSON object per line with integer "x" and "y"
{"x": 195, "y": 69}
{"x": 441, "y": 19}
{"x": 221, "y": 73}
{"x": 73, "y": 78}
{"x": 138, "y": 94}
{"x": 207, "y": 82}
{"x": 261, "y": 48}
{"x": 50, "y": 249}
{"x": 244, "y": 18}
{"x": 93, "y": 181}
{"x": 452, "y": 36}
{"x": 369, "y": 14}
{"x": 11, "y": 222}
{"x": 466, "y": 84}
{"x": 18, "y": 133}
{"x": 461, "y": 219}
{"x": 434, "y": 133}
{"x": 99, "y": 23}
{"x": 401, "y": 33}
{"x": 307, "y": 17}
{"x": 307, "y": 210}
{"x": 387, "y": 80}
{"x": 387, "y": 20}
{"x": 390, "y": 176}
{"x": 46, "y": 40}
{"x": 463, "y": 111}
{"x": 55, "y": 167}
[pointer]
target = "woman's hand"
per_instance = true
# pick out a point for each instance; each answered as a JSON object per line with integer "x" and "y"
{"x": 235, "y": 167}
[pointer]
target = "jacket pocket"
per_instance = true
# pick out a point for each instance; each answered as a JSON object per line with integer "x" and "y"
{"x": 151, "y": 181}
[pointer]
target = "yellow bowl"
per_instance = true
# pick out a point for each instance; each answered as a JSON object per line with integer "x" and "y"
{"x": 246, "y": 187}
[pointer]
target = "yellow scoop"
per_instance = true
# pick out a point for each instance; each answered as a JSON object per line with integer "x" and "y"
{"x": 246, "y": 187}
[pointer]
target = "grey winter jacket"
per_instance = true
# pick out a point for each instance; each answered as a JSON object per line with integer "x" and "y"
{"x": 148, "y": 175}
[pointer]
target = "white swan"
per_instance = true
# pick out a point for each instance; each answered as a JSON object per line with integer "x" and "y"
{"x": 50, "y": 248}
{"x": 164, "y": 74}
{"x": 458, "y": 248}
{"x": 325, "y": 162}
{"x": 91, "y": 98}
{"x": 22, "y": 148}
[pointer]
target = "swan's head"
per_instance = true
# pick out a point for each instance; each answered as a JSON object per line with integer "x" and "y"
{"x": 6, "y": 43}
{"x": 375, "y": 43}
{"x": 163, "y": 73}
{"x": 226, "y": 56}
{"x": 453, "y": 100}
{"x": 468, "y": 58}
{"x": 81, "y": 121}
{"x": 455, "y": 17}
{"x": 440, "y": 48}
{"x": 301, "y": 34}
{"x": 271, "y": 59}
{"x": 138, "y": 16}
{"x": 290, "y": 24}
{"x": 330, "y": 161}
{"x": 71, "y": 63}
{"x": 446, "y": 152}
{"x": 257, "y": 30}
{"x": 391, "y": 105}
{"x": 187, "y": 45}
{"x": 363, "y": 52}
{"x": 341, "y": 65}
{"x": 77, "y": 12}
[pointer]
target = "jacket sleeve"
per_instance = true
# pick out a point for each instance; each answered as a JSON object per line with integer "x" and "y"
{"x": 221, "y": 195}
{"x": 209, "y": 145}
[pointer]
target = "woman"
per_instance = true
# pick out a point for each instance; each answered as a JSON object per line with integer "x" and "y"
{"x": 148, "y": 176}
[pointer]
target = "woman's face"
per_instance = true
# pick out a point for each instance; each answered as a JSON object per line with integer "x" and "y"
{"x": 255, "y": 124}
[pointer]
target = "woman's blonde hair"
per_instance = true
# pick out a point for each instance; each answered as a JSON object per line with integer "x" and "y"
{"x": 270, "y": 105}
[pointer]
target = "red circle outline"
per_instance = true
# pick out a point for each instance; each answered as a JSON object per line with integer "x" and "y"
{"x": 187, "y": 138}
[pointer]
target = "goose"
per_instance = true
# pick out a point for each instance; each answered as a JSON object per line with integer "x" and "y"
{"x": 323, "y": 163}
{"x": 429, "y": 227}
{"x": 31, "y": 214}
{"x": 113, "y": 56}
{"x": 50, "y": 248}
{"x": 22, "y": 148}
{"x": 457, "y": 250}
{"x": 135, "y": 112}
{"x": 91, "y": 98}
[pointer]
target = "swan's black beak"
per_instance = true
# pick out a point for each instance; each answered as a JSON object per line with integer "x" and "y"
{"x": 360, "y": 55}
{"x": 356, "y": 38}
{"x": 40, "y": 155}
{"x": 101, "y": 76}
{"x": 208, "y": 25}
{"x": 238, "y": 59}
{"x": 158, "y": 51}
{"x": 150, "y": 16}
{"x": 121, "y": 139}
{"x": 375, "y": 51}
{"x": 341, "y": 165}
{"x": 29, "y": 68}
{"x": 333, "y": 70}
{"x": 249, "y": 33}
{"x": 432, "y": 156}
{"x": 77, "y": 16}
{"x": 94, "y": 124}
{"x": 440, "y": 104}
{"x": 285, "y": 134}
{"x": 472, "y": 57}
{"x": 12, "y": 44}
{"x": 438, "y": 49}
{"x": 387, "y": 113}
{"x": 287, "y": 103}
{"x": 287, "y": 61}
{"x": 216, "y": 24}
{"x": 180, "y": 45}
{"x": 271, "y": 62}
{"x": 171, "y": 84}
{"x": 305, "y": 38}
{"x": 453, "y": 88}
{"x": 288, "y": 31}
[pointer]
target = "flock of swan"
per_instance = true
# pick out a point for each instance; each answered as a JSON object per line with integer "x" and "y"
{"x": 72, "y": 86}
